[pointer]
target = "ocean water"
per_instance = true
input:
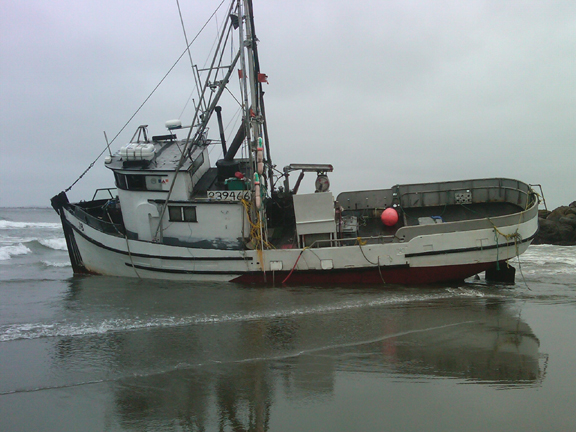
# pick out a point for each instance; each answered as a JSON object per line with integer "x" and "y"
{"x": 113, "y": 354}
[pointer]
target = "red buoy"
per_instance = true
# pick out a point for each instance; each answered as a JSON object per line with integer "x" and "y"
{"x": 389, "y": 217}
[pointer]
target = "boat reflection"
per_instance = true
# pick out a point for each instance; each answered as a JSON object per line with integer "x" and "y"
{"x": 198, "y": 371}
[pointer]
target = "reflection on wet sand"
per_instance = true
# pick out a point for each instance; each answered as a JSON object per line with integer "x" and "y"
{"x": 198, "y": 374}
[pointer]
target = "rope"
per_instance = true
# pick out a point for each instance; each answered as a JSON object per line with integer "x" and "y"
{"x": 130, "y": 255}
{"x": 105, "y": 207}
{"x": 256, "y": 234}
{"x": 380, "y": 271}
{"x": 362, "y": 243}
{"x": 522, "y": 273}
{"x": 87, "y": 169}
{"x": 196, "y": 79}
{"x": 255, "y": 228}
{"x": 515, "y": 235}
{"x": 146, "y": 100}
{"x": 295, "y": 264}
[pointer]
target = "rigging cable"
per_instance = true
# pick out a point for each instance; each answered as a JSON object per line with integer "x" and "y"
{"x": 200, "y": 130}
{"x": 194, "y": 72}
{"x": 123, "y": 234}
{"x": 147, "y": 98}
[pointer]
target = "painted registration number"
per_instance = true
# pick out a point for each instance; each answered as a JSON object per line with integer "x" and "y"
{"x": 230, "y": 195}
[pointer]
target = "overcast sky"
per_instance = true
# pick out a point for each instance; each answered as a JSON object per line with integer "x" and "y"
{"x": 387, "y": 91}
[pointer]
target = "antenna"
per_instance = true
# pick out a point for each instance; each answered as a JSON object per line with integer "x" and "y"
{"x": 107, "y": 143}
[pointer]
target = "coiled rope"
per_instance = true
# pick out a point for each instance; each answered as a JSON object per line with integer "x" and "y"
{"x": 255, "y": 228}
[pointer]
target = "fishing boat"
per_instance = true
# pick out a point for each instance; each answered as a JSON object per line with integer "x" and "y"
{"x": 175, "y": 215}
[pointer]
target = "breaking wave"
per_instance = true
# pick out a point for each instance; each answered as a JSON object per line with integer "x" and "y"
{"x": 57, "y": 264}
{"x": 550, "y": 259}
{"x": 55, "y": 243}
{"x": 7, "y": 252}
{"x": 6, "y": 224}
{"x": 25, "y": 246}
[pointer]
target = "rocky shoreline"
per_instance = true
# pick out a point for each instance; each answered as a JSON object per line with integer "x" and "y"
{"x": 557, "y": 227}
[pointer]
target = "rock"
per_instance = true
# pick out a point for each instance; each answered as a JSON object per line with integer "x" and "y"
{"x": 548, "y": 232}
{"x": 568, "y": 220}
{"x": 560, "y": 212}
{"x": 543, "y": 214}
{"x": 557, "y": 227}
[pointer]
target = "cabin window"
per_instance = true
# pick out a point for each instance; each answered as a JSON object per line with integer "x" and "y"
{"x": 136, "y": 182}
{"x": 120, "y": 181}
{"x": 197, "y": 163}
{"x": 139, "y": 182}
{"x": 182, "y": 214}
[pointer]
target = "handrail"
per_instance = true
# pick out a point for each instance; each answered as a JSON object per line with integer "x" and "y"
{"x": 334, "y": 242}
{"x": 465, "y": 189}
{"x": 472, "y": 188}
{"x": 541, "y": 194}
{"x": 103, "y": 189}
{"x": 96, "y": 223}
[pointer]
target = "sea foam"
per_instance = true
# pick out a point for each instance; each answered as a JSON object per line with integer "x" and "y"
{"x": 57, "y": 264}
{"x": 55, "y": 243}
{"x": 6, "y": 224}
{"x": 7, "y": 252}
{"x": 65, "y": 329}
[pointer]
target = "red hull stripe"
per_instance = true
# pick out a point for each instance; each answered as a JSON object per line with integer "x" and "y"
{"x": 397, "y": 275}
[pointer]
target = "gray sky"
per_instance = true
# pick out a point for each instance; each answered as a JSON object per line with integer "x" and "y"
{"x": 387, "y": 91}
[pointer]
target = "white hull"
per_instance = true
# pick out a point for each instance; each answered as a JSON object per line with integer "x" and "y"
{"x": 431, "y": 257}
{"x": 175, "y": 215}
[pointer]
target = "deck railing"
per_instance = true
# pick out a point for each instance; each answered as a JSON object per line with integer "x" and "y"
{"x": 98, "y": 222}
{"x": 351, "y": 241}
{"x": 454, "y": 194}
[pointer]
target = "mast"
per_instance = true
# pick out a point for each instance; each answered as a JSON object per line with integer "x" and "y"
{"x": 253, "y": 124}
{"x": 254, "y": 120}
{"x": 258, "y": 86}
{"x": 256, "y": 113}
{"x": 244, "y": 81}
